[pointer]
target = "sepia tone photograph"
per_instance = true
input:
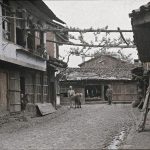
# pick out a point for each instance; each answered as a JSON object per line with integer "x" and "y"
{"x": 74, "y": 74}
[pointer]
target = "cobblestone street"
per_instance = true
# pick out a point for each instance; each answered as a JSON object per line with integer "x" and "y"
{"x": 93, "y": 126}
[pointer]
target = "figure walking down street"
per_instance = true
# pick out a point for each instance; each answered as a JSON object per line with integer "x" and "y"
{"x": 71, "y": 94}
{"x": 24, "y": 101}
{"x": 109, "y": 94}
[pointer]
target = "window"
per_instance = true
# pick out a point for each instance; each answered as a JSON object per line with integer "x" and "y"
{"x": 20, "y": 40}
{"x": 37, "y": 34}
{"x": 39, "y": 46}
{"x": 19, "y": 22}
{"x": 30, "y": 41}
{"x": 45, "y": 88}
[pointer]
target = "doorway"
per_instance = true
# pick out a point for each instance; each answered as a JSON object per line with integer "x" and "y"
{"x": 105, "y": 89}
{"x": 22, "y": 85}
{"x": 52, "y": 93}
{"x": 93, "y": 92}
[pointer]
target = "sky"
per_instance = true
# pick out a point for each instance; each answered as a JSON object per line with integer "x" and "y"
{"x": 97, "y": 14}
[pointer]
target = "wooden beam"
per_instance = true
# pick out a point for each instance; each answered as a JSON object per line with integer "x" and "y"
{"x": 78, "y": 30}
{"x": 88, "y": 45}
{"x": 84, "y": 30}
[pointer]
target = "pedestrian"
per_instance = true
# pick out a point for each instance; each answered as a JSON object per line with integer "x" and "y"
{"x": 77, "y": 99}
{"x": 24, "y": 101}
{"x": 109, "y": 94}
{"x": 71, "y": 94}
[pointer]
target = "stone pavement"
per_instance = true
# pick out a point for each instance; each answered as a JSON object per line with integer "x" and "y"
{"x": 19, "y": 121}
{"x": 92, "y": 127}
{"x": 135, "y": 139}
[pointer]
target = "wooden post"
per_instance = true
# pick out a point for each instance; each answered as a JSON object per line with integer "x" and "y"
{"x": 48, "y": 80}
{"x": 13, "y": 28}
{"x": 42, "y": 82}
{"x": 44, "y": 39}
{"x": 102, "y": 92}
{"x": 145, "y": 110}
{"x": 55, "y": 92}
{"x": 25, "y": 32}
{"x": 34, "y": 87}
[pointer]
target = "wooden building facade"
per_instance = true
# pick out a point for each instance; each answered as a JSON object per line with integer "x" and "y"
{"x": 94, "y": 76}
{"x": 28, "y": 61}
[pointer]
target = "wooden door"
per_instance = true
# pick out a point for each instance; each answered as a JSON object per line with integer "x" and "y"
{"x": 124, "y": 92}
{"x": 14, "y": 92}
{"x": 3, "y": 91}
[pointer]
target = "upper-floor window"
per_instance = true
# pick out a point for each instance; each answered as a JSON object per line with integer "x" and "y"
{"x": 19, "y": 20}
{"x": 39, "y": 43}
{"x": 37, "y": 34}
{"x": 30, "y": 41}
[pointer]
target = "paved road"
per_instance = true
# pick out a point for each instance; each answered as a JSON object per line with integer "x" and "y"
{"x": 91, "y": 127}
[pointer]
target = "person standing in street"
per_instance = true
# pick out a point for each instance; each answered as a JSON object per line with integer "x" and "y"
{"x": 24, "y": 101}
{"x": 71, "y": 94}
{"x": 109, "y": 94}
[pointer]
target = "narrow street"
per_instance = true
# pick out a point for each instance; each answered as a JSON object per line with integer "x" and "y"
{"x": 91, "y": 127}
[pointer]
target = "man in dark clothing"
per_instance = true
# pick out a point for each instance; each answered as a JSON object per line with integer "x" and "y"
{"x": 109, "y": 94}
{"x": 24, "y": 101}
{"x": 77, "y": 99}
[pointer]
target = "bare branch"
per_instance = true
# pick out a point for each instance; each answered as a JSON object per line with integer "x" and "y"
{"x": 122, "y": 36}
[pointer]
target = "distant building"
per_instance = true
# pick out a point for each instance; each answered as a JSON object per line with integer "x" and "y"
{"x": 94, "y": 76}
{"x": 28, "y": 61}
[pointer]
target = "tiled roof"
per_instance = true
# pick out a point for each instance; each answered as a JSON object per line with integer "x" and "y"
{"x": 97, "y": 57}
{"x": 44, "y": 8}
{"x": 122, "y": 71}
{"x": 143, "y": 9}
{"x": 48, "y": 14}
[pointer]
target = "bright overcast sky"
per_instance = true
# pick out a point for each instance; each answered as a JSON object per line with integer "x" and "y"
{"x": 96, "y": 14}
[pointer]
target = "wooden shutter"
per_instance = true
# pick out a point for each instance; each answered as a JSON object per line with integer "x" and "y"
{"x": 3, "y": 91}
{"x": 14, "y": 92}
